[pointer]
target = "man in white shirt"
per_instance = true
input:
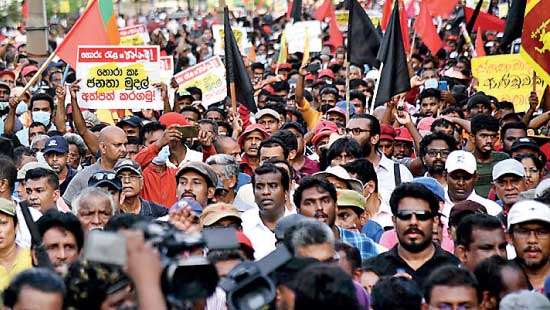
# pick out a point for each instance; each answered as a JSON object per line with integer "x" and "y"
{"x": 270, "y": 184}
{"x": 462, "y": 174}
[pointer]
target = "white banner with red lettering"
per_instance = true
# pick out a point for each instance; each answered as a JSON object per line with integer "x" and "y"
{"x": 119, "y": 77}
{"x": 209, "y": 76}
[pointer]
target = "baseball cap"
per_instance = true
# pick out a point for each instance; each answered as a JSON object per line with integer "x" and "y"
{"x": 479, "y": 98}
{"x": 250, "y": 128}
{"x": 524, "y": 299}
{"x": 29, "y": 166}
{"x": 403, "y": 134}
{"x": 202, "y": 169}
{"x": 29, "y": 69}
{"x": 270, "y": 112}
{"x": 173, "y": 118}
{"x": 7, "y": 207}
{"x": 432, "y": 185}
{"x": 341, "y": 173}
{"x": 132, "y": 121}
{"x": 245, "y": 243}
{"x": 284, "y": 66}
{"x": 324, "y": 128}
{"x": 463, "y": 208}
{"x": 294, "y": 125}
{"x": 56, "y": 144}
{"x": 424, "y": 126}
{"x": 543, "y": 186}
{"x": 387, "y": 132}
{"x": 338, "y": 111}
{"x": 525, "y": 143}
{"x": 461, "y": 160}
{"x": 127, "y": 164}
{"x": 105, "y": 178}
{"x": 508, "y": 166}
{"x": 350, "y": 198}
{"x": 8, "y": 72}
{"x": 218, "y": 211}
{"x": 325, "y": 73}
{"x": 185, "y": 202}
{"x": 528, "y": 210}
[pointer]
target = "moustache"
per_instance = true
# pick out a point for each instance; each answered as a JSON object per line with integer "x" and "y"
{"x": 414, "y": 230}
{"x": 532, "y": 249}
{"x": 320, "y": 214}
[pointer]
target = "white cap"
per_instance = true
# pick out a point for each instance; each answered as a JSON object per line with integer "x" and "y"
{"x": 542, "y": 187}
{"x": 264, "y": 112}
{"x": 508, "y": 166}
{"x": 341, "y": 173}
{"x": 528, "y": 210}
{"x": 461, "y": 160}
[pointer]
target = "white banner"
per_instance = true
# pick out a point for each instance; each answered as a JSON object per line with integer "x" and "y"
{"x": 296, "y": 34}
{"x": 209, "y": 76}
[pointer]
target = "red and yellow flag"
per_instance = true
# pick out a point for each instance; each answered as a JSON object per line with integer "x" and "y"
{"x": 535, "y": 38}
{"x": 96, "y": 26}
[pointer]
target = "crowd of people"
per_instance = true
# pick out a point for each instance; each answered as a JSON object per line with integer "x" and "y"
{"x": 437, "y": 199}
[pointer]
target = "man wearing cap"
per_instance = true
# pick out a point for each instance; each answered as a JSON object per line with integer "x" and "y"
{"x": 350, "y": 213}
{"x": 250, "y": 141}
{"x": 303, "y": 165}
{"x": 131, "y": 126}
{"x": 269, "y": 119}
{"x": 130, "y": 176}
{"x": 461, "y": 167}
{"x": 55, "y": 153}
{"x": 109, "y": 183}
{"x": 340, "y": 178}
{"x": 387, "y": 138}
{"x": 196, "y": 181}
{"x": 479, "y": 104}
{"x": 8, "y": 77}
{"x": 527, "y": 145}
{"x": 13, "y": 258}
{"x": 509, "y": 182}
{"x": 529, "y": 231}
{"x": 221, "y": 215}
{"x": 403, "y": 145}
{"x": 338, "y": 116}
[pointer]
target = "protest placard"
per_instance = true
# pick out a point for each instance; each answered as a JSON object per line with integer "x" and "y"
{"x": 342, "y": 18}
{"x": 240, "y": 36}
{"x": 296, "y": 34}
{"x": 166, "y": 68}
{"x": 508, "y": 78}
{"x": 119, "y": 77}
{"x": 280, "y": 7}
{"x": 208, "y": 76}
{"x": 134, "y": 35}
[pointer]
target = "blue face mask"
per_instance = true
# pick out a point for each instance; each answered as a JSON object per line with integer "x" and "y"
{"x": 41, "y": 117}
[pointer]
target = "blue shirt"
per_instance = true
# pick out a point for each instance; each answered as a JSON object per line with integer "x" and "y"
{"x": 365, "y": 245}
{"x": 373, "y": 230}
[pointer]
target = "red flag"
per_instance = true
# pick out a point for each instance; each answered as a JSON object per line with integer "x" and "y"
{"x": 486, "y": 21}
{"x": 25, "y": 10}
{"x": 440, "y": 8}
{"x": 425, "y": 28}
{"x": 326, "y": 10}
{"x": 386, "y": 14}
{"x": 480, "y": 46}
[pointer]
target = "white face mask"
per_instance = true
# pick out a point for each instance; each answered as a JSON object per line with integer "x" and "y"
{"x": 431, "y": 83}
{"x": 4, "y": 105}
{"x": 41, "y": 117}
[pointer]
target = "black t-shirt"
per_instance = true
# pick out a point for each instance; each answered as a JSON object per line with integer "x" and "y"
{"x": 387, "y": 264}
{"x": 151, "y": 210}
{"x": 70, "y": 175}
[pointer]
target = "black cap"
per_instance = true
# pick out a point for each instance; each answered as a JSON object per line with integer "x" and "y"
{"x": 105, "y": 178}
{"x": 132, "y": 121}
{"x": 479, "y": 98}
{"x": 294, "y": 125}
{"x": 525, "y": 143}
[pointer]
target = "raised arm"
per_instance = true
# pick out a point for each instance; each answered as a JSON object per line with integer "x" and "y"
{"x": 9, "y": 123}
{"x": 60, "y": 118}
{"x": 89, "y": 138}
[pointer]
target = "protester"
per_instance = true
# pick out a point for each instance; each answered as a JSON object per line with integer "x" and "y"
{"x": 451, "y": 286}
{"x": 94, "y": 207}
{"x": 509, "y": 182}
{"x": 56, "y": 155}
{"x": 37, "y": 287}
{"x": 397, "y": 293}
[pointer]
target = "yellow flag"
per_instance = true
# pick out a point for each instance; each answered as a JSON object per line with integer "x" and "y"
{"x": 283, "y": 50}
{"x": 305, "y": 58}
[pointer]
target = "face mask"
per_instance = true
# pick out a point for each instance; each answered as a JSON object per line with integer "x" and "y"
{"x": 41, "y": 117}
{"x": 162, "y": 156}
{"x": 21, "y": 108}
{"x": 4, "y": 105}
{"x": 431, "y": 83}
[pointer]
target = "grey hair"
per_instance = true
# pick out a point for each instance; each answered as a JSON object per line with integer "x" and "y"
{"x": 228, "y": 162}
{"x": 94, "y": 192}
{"x": 78, "y": 141}
{"x": 38, "y": 138}
{"x": 309, "y": 233}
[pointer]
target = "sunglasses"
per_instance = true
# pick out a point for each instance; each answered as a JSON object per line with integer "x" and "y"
{"x": 421, "y": 215}
{"x": 102, "y": 176}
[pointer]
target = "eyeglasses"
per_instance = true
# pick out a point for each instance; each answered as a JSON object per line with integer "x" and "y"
{"x": 102, "y": 176}
{"x": 356, "y": 131}
{"x": 524, "y": 233}
{"x": 441, "y": 153}
{"x": 421, "y": 215}
{"x": 131, "y": 177}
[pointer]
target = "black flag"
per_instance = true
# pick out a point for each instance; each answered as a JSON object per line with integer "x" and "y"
{"x": 472, "y": 21}
{"x": 234, "y": 67}
{"x": 514, "y": 22}
{"x": 394, "y": 76}
{"x": 363, "y": 39}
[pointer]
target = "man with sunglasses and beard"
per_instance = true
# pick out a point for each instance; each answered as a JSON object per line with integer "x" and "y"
{"x": 414, "y": 210}
{"x": 434, "y": 150}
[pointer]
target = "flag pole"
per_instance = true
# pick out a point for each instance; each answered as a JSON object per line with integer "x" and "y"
{"x": 348, "y": 105}
{"x": 37, "y": 75}
{"x": 412, "y": 45}
{"x": 534, "y": 81}
{"x": 233, "y": 92}
{"x": 376, "y": 87}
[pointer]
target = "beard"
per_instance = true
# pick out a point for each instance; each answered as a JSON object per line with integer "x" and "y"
{"x": 417, "y": 245}
{"x": 436, "y": 168}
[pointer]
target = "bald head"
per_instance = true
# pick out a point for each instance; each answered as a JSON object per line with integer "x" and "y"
{"x": 112, "y": 144}
{"x": 228, "y": 145}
